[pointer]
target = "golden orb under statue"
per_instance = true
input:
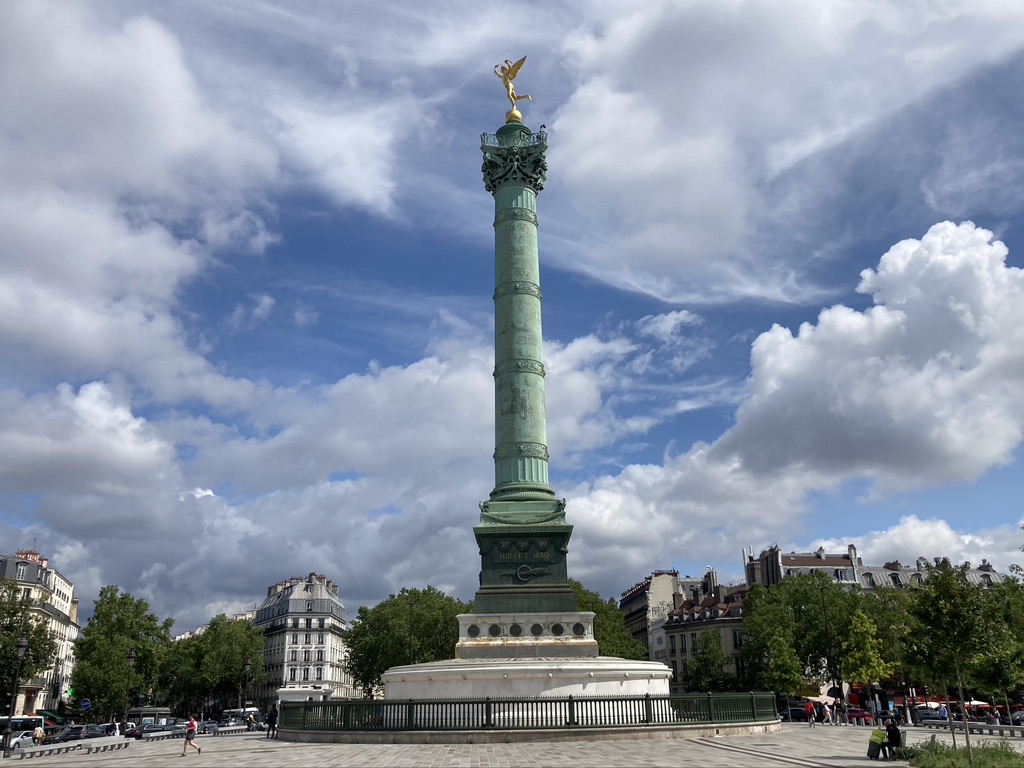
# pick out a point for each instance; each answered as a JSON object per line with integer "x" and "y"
{"x": 513, "y": 116}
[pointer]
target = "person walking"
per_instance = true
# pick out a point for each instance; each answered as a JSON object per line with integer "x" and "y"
{"x": 809, "y": 711}
{"x": 190, "y": 736}
{"x": 826, "y": 711}
{"x": 272, "y": 722}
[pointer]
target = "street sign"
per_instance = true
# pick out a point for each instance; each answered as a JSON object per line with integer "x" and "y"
{"x": 86, "y": 704}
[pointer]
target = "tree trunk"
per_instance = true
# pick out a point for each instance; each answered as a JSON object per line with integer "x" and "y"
{"x": 949, "y": 714}
{"x": 963, "y": 706}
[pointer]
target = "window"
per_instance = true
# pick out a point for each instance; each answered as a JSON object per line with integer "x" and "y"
{"x": 693, "y": 642}
{"x": 309, "y": 605}
{"x": 309, "y": 587}
{"x": 672, "y": 643}
{"x": 895, "y": 579}
{"x": 307, "y": 638}
{"x": 291, "y": 673}
{"x": 22, "y": 571}
{"x": 737, "y": 639}
{"x": 675, "y": 672}
{"x": 319, "y": 673}
{"x": 320, "y": 638}
{"x": 295, "y": 638}
{"x": 295, "y": 623}
{"x": 307, "y": 656}
{"x": 869, "y": 581}
{"x": 320, "y": 623}
{"x": 305, "y": 673}
{"x": 319, "y": 655}
{"x": 309, "y": 623}
{"x": 293, "y": 656}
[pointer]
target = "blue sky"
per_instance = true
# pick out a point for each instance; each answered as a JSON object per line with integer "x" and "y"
{"x": 246, "y": 262}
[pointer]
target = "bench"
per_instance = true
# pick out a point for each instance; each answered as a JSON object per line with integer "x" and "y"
{"x": 979, "y": 728}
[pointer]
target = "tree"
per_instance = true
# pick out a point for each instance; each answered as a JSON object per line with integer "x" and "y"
{"x": 119, "y": 624}
{"x": 613, "y": 639}
{"x": 784, "y": 672}
{"x": 19, "y": 616}
{"x": 862, "y": 649}
{"x": 767, "y": 619}
{"x": 414, "y": 626}
{"x": 948, "y": 627}
{"x": 707, "y": 668}
{"x": 998, "y": 668}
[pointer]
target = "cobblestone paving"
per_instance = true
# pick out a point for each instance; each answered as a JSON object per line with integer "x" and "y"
{"x": 795, "y": 745}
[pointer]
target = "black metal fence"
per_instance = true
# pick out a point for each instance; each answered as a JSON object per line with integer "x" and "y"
{"x": 533, "y": 713}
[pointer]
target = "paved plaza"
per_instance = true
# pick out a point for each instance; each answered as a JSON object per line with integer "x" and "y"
{"x": 795, "y": 745}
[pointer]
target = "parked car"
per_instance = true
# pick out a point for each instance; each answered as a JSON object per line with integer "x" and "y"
{"x": 96, "y": 731}
{"x": 207, "y": 726}
{"x": 70, "y": 733}
{"x": 858, "y": 716}
{"x": 1017, "y": 718}
{"x": 793, "y": 715}
{"x": 925, "y": 715}
{"x": 21, "y": 739}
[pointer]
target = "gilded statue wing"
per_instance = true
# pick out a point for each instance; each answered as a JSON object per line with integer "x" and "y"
{"x": 514, "y": 69}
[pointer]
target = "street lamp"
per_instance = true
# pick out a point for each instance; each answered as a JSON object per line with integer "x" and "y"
{"x": 22, "y": 647}
{"x": 248, "y": 673}
{"x": 128, "y": 690}
{"x": 828, "y": 643}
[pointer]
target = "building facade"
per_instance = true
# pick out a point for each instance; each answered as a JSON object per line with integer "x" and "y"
{"x": 773, "y": 565}
{"x": 711, "y": 607}
{"x": 57, "y": 607}
{"x": 303, "y": 620}
{"x": 647, "y": 603}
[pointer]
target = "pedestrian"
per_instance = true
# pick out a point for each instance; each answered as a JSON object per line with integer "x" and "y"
{"x": 38, "y": 735}
{"x": 190, "y": 736}
{"x": 272, "y": 722}
{"x": 893, "y": 739}
{"x": 809, "y": 711}
{"x": 844, "y": 714}
{"x": 826, "y": 712}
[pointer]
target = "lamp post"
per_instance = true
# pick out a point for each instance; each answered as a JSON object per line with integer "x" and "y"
{"x": 128, "y": 689}
{"x": 22, "y": 647}
{"x": 248, "y": 674}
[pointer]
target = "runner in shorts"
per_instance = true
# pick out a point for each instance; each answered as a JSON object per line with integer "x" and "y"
{"x": 190, "y": 736}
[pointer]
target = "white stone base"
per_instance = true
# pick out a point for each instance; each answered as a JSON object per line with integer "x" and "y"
{"x": 527, "y": 678}
{"x": 567, "y": 634}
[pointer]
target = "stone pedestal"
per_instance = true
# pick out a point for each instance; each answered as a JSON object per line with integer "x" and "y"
{"x": 526, "y": 678}
{"x": 526, "y": 635}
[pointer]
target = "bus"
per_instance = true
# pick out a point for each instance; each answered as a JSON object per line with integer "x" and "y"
{"x": 239, "y": 716}
{"x": 25, "y": 722}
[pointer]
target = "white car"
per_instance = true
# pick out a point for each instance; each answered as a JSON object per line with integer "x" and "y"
{"x": 21, "y": 739}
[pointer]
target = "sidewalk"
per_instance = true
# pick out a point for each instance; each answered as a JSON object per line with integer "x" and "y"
{"x": 795, "y": 745}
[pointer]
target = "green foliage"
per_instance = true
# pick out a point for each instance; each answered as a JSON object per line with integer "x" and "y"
{"x": 889, "y": 610}
{"x": 414, "y": 626}
{"x": 862, "y": 650}
{"x": 767, "y": 618}
{"x": 119, "y": 624}
{"x": 784, "y": 672}
{"x": 996, "y": 754}
{"x": 212, "y": 665}
{"x": 16, "y": 619}
{"x": 707, "y": 668}
{"x": 609, "y": 625}
{"x": 998, "y": 667}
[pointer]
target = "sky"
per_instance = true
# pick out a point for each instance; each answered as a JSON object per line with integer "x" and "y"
{"x": 246, "y": 267}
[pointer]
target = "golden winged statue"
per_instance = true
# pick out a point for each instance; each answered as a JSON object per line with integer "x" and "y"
{"x": 507, "y": 72}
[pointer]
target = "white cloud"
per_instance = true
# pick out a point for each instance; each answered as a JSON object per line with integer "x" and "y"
{"x": 913, "y": 537}
{"x": 918, "y": 390}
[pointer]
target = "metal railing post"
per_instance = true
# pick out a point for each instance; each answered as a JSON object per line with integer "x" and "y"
{"x": 648, "y": 709}
{"x": 572, "y": 712}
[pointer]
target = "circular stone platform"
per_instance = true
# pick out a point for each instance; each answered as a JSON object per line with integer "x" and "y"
{"x": 527, "y": 678}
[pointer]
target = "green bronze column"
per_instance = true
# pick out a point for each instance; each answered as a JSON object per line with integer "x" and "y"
{"x": 514, "y": 167}
{"x": 523, "y": 536}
